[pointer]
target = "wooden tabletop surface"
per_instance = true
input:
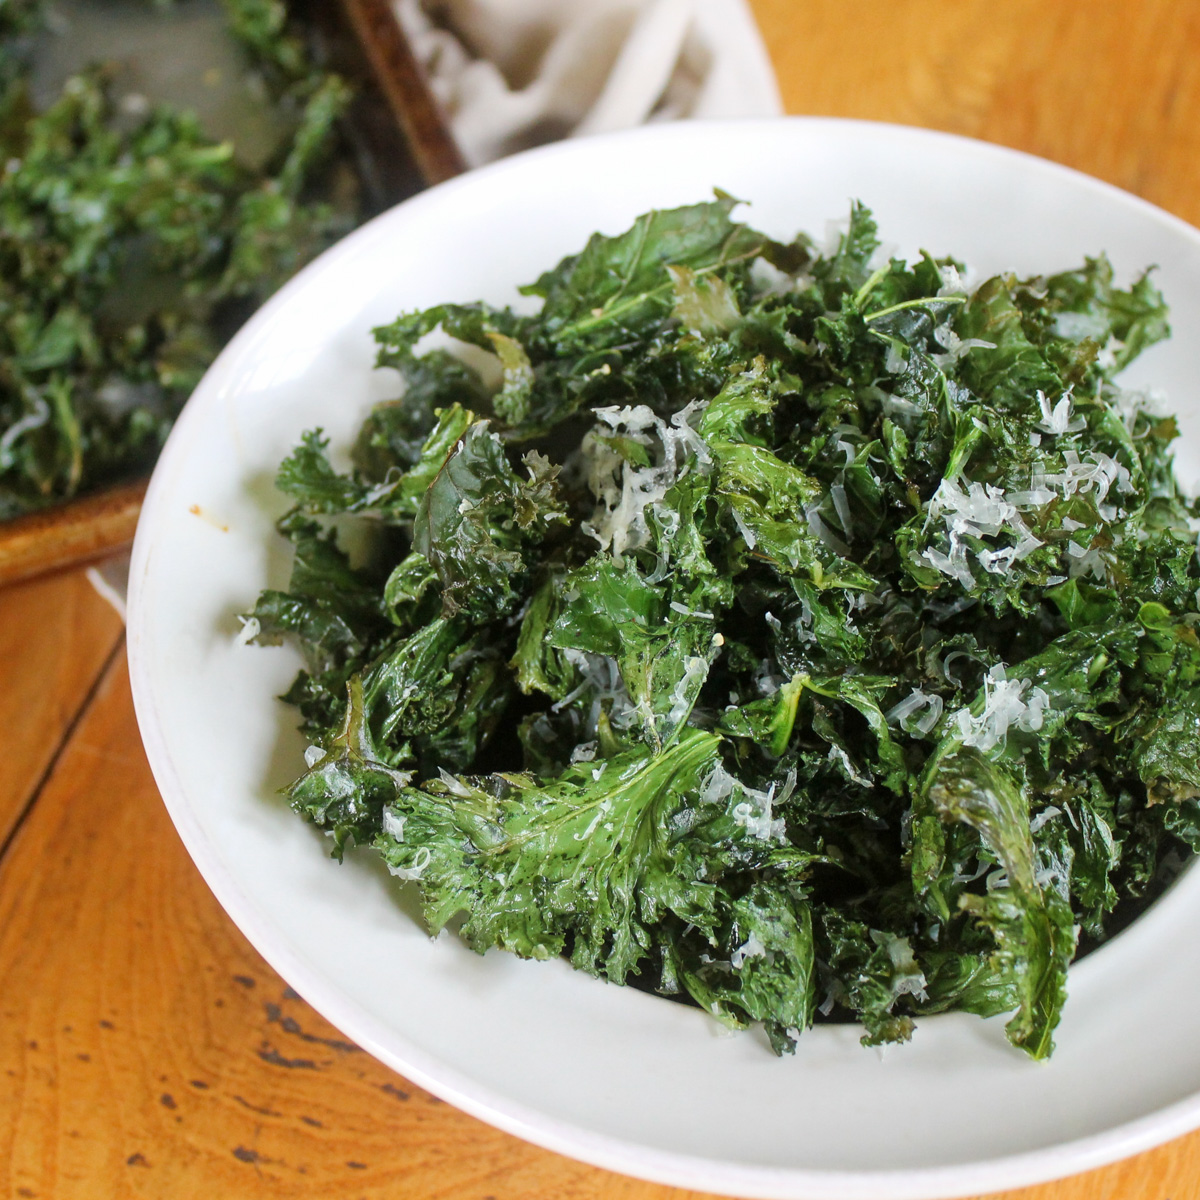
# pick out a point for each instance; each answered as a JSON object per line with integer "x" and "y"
{"x": 145, "y": 1049}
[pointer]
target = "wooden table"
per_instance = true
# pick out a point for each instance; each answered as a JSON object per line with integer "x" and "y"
{"x": 145, "y": 1049}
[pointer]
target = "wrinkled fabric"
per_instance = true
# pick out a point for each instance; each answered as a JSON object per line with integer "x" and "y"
{"x": 511, "y": 74}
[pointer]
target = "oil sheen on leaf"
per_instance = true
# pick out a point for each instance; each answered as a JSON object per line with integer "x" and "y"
{"x": 805, "y": 636}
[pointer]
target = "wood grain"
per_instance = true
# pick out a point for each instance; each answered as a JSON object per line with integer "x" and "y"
{"x": 71, "y": 534}
{"x": 404, "y": 127}
{"x": 400, "y": 79}
{"x": 1112, "y": 89}
{"x": 147, "y": 1051}
{"x": 55, "y": 636}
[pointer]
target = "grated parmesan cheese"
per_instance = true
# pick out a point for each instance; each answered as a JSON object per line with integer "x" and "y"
{"x": 954, "y": 282}
{"x": 251, "y": 628}
{"x": 584, "y": 752}
{"x": 1059, "y": 420}
{"x": 1047, "y": 814}
{"x": 695, "y": 672}
{"x": 838, "y": 755}
{"x": 684, "y": 611}
{"x": 822, "y": 531}
{"x": 600, "y": 674}
{"x": 417, "y": 869}
{"x": 842, "y": 506}
{"x": 454, "y": 785}
{"x": 1005, "y": 705}
{"x": 895, "y": 363}
{"x": 31, "y": 420}
{"x": 912, "y": 704}
{"x": 624, "y": 492}
{"x": 753, "y": 809}
{"x": 955, "y": 347}
{"x": 750, "y": 948}
{"x": 748, "y": 534}
{"x": 983, "y": 510}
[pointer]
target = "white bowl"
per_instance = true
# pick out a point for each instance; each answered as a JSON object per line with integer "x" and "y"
{"x": 607, "y": 1074}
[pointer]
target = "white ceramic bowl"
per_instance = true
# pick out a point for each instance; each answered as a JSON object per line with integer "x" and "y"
{"x": 607, "y": 1074}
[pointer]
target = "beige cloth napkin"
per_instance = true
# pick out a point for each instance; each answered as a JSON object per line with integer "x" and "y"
{"x": 516, "y": 73}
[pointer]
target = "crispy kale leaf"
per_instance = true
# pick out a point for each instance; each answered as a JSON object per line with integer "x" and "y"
{"x": 130, "y": 248}
{"x": 810, "y": 646}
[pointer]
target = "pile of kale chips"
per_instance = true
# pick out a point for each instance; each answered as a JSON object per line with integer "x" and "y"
{"x": 132, "y": 245}
{"x": 783, "y": 633}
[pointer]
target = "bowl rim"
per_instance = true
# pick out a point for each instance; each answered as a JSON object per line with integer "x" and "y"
{"x": 425, "y": 1069}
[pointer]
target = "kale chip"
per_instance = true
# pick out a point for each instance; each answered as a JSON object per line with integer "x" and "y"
{"x": 802, "y": 634}
{"x": 132, "y": 245}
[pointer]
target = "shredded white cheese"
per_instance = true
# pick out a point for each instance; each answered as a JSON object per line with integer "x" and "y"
{"x": 684, "y": 611}
{"x": 1060, "y": 419}
{"x": 599, "y": 674}
{"x": 837, "y": 754}
{"x": 753, "y": 808}
{"x": 983, "y": 510}
{"x": 251, "y": 628}
{"x": 624, "y": 492}
{"x": 418, "y": 867}
{"x": 695, "y": 671}
{"x": 1007, "y": 703}
{"x": 453, "y": 785}
{"x": 1047, "y": 814}
{"x": 842, "y": 506}
{"x": 954, "y": 346}
{"x": 750, "y": 948}
{"x": 822, "y": 531}
{"x": 912, "y": 704}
